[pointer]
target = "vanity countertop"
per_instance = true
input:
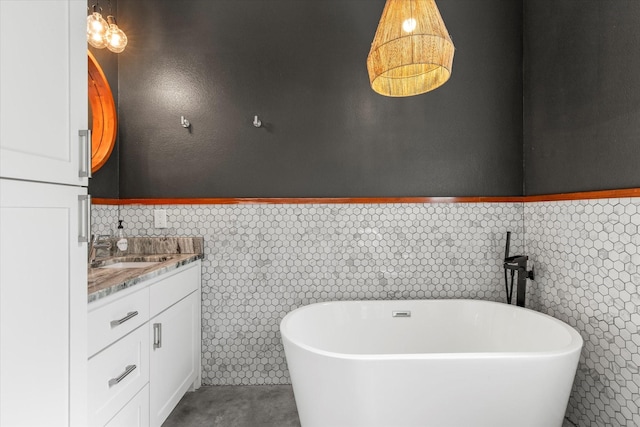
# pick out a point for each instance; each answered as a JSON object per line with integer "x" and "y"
{"x": 166, "y": 253}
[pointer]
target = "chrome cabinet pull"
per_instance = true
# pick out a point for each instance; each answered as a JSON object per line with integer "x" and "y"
{"x": 84, "y": 218}
{"x": 85, "y": 153}
{"x": 157, "y": 335}
{"x": 127, "y": 371}
{"x": 119, "y": 322}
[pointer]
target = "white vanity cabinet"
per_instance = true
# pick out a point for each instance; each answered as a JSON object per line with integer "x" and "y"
{"x": 144, "y": 346}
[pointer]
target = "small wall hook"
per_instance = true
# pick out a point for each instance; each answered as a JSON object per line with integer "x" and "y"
{"x": 184, "y": 122}
{"x": 256, "y": 122}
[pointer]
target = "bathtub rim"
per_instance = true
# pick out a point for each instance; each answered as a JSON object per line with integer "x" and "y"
{"x": 575, "y": 345}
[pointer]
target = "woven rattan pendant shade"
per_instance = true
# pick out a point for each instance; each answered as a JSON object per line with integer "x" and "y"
{"x": 411, "y": 52}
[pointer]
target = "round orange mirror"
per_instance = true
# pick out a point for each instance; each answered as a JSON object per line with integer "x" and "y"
{"x": 102, "y": 115}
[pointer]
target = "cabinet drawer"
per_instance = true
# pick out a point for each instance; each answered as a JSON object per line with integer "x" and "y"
{"x": 117, "y": 374}
{"x": 172, "y": 289}
{"x": 110, "y": 322}
{"x": 135, "y": 413}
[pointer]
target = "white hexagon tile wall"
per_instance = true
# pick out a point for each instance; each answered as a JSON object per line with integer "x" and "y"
{"x": 262, "y": 261}
{"x": 588, "y": 263}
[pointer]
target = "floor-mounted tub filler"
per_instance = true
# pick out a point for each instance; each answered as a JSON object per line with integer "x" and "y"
{"x": 458, "y": 363}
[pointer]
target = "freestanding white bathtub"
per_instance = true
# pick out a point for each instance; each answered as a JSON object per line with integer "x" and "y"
{"x": 458, "y": 363}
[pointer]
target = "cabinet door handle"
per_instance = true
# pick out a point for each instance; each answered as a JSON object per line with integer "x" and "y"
{"x": 85, "y": 153}
{"x": 84, "y": 218}
{"x": 157, "y": 335}
{"x": 127, "y": 371}
{"x": 119, "y": 322}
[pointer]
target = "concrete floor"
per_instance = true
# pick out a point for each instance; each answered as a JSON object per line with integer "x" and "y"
{"x": 236, "y": 406}
{"x": 240, "y": 406}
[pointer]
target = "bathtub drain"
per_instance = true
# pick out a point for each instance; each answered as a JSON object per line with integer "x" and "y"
{"x": 401, "y": 314}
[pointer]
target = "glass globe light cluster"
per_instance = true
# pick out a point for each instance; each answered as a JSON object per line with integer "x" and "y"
{"x": 101, "y": 33}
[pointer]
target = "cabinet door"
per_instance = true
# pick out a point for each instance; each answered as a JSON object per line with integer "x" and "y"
{"x": 43, "y": 305}
{"x": 43, "y": 81}
{"x": 174, "y": 356}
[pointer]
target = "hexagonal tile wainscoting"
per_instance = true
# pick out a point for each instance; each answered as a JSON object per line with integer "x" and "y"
{"x": 262, "y": 261}
{"x": 587, "y": 255}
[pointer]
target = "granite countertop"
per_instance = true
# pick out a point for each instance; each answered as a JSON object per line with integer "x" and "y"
{"x": 167, "y": 253}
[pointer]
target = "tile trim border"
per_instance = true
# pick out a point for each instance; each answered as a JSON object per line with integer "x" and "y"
{"x": 585, "y": 195}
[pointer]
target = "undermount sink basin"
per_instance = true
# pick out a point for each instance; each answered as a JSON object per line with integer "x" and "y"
{"x": 131, "y": 264}
{"x": 130, "y": 261}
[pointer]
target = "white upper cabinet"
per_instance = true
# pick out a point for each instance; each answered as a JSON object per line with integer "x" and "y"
{"x": 43, "y": 82}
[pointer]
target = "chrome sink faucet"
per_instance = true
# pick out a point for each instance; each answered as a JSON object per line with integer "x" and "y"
{"x": 98, "y": 241}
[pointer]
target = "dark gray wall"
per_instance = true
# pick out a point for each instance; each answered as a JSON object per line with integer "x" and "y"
{"x": 300, "y": 65}
{"x": 582, "y": 95}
